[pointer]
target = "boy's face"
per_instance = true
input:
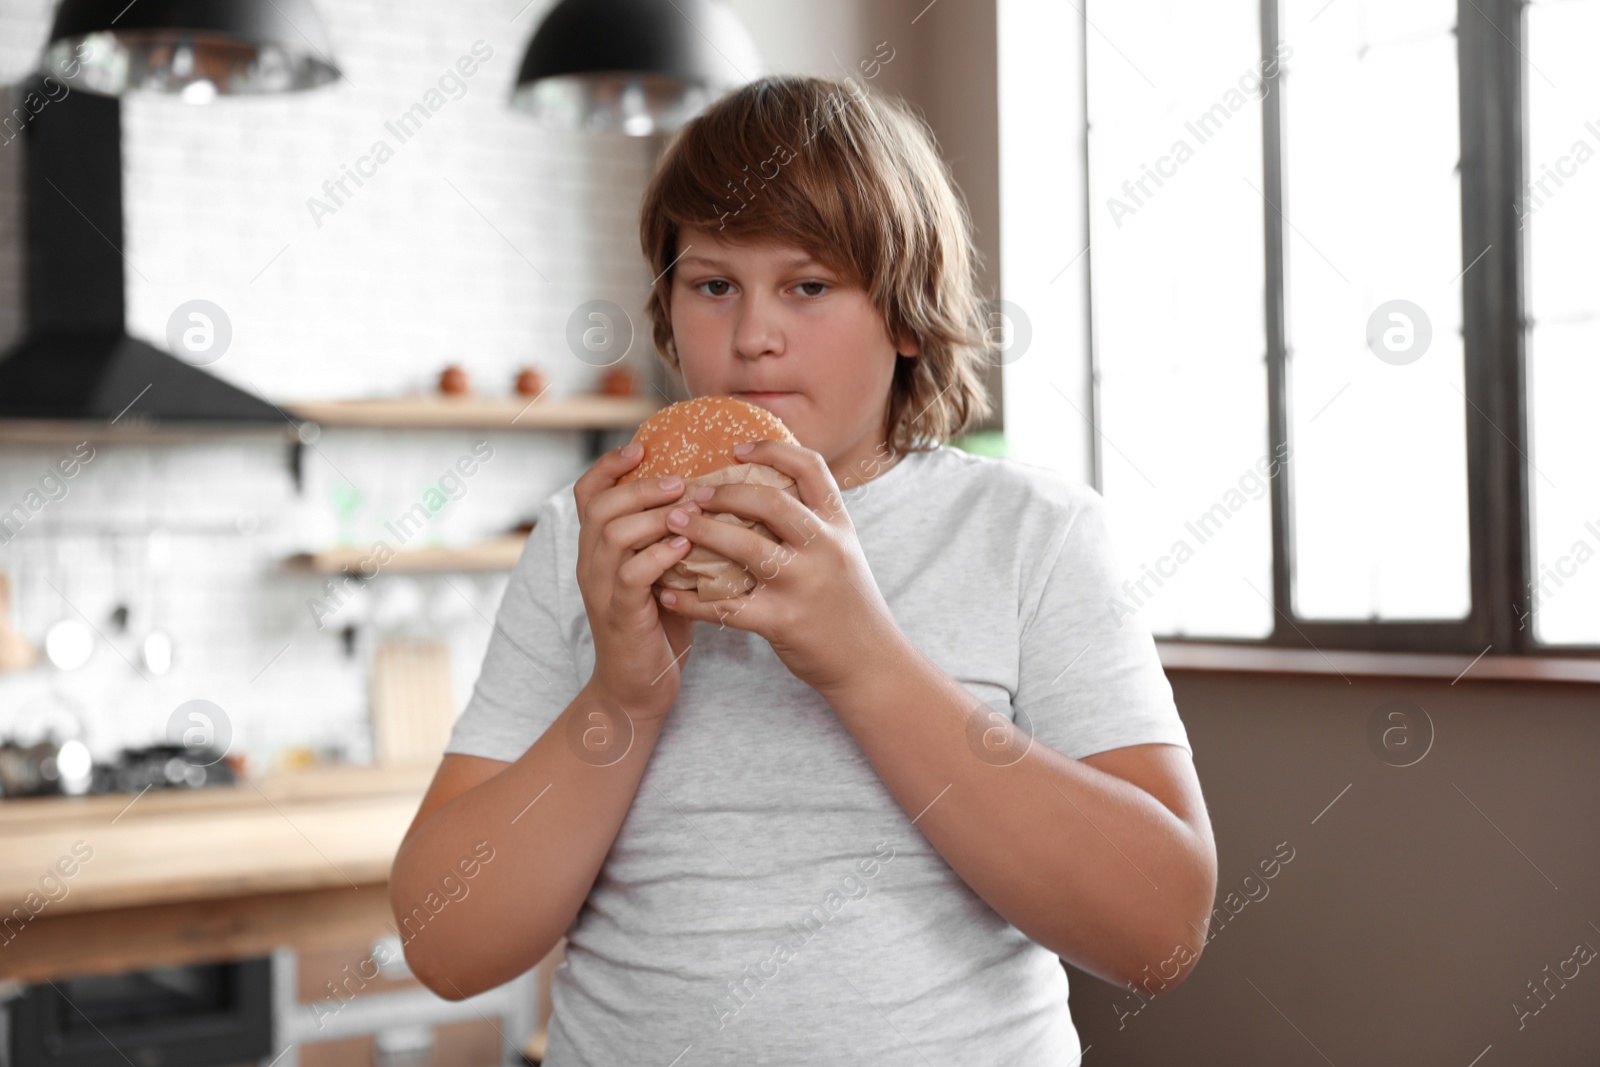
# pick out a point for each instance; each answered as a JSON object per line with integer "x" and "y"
{"x": 768, "y": 317}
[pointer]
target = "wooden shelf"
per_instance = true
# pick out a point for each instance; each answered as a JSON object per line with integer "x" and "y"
{"x": 494, "y": 554}
{"x": 592, "y": 412}
{"x": 132, "y": 431}
{"x": 481, "y": 412}
{"x": 1260, "y": 659}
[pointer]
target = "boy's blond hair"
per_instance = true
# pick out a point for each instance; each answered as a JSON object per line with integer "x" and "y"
{"x": 855, "y": 179}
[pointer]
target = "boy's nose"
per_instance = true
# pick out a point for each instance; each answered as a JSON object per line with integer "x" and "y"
{"x": 756, "y": 334}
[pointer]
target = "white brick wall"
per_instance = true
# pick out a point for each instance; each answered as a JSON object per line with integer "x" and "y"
{"x": 408, "y": 275}
{"x": 229, "y": 517}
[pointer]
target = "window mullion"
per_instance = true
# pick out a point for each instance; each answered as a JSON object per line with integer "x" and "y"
{"x": 1276, "y": 332}
{"x": 1489, "y": 35}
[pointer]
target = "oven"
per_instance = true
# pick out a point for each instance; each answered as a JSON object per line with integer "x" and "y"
{"x": 198, "y": 1015}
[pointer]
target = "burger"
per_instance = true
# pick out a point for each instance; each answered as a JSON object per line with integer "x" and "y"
{"x": 694, "y": 439}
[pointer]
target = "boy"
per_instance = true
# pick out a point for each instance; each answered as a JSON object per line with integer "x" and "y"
{"x": 862, "y": 815}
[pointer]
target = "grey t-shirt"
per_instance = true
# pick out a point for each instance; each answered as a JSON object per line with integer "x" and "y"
{"x": 766, "y": 900}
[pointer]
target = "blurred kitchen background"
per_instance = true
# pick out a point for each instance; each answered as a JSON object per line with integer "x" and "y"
{"x": 474, "y": 246}
{"x": 1305, "y": 288}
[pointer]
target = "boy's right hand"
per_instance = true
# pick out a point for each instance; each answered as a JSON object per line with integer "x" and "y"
{"x": 638, "y": 648}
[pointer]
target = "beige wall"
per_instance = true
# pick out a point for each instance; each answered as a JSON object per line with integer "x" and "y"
{"x": 1407, "y": 923}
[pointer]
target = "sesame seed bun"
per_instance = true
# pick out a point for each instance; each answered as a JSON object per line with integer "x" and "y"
{"x": 694, "y": 437}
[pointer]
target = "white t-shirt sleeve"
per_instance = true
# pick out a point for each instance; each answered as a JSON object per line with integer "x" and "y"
{"x": 529, "y": 673}
{"x": 1087, "y": 681}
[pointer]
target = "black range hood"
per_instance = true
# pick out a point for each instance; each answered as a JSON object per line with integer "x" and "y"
{"x": 75, "y": 360}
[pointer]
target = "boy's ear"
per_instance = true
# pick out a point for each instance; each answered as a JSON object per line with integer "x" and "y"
{"x": 907, "y": 345}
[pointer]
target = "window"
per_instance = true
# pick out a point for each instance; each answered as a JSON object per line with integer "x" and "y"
{"x": 1176, "y": 277}
{"x": 1372, "y": 272}
{"x": 1558, "y": 220}
{"x": 1343, "y": 318}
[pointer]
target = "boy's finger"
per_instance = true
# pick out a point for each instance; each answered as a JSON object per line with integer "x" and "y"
{"x": 813, "y": 480}
{"x": 731, "y": 611}
{"x": 605, "y": 471}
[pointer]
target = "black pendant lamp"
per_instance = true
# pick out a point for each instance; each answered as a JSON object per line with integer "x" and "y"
{"x": 636, "y": 67}
{"x": 197, "y": 49}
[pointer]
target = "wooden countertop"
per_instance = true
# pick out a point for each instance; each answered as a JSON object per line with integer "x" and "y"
{"x": 333, "y": 828}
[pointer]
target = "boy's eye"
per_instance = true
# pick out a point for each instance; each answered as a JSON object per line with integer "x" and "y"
{"x": 722, "y": 287}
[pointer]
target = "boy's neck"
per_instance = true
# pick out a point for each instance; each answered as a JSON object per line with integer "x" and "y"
{"x": 851, "y": 471}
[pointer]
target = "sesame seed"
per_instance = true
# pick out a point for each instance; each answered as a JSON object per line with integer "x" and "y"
{"x": 694, "y": 437}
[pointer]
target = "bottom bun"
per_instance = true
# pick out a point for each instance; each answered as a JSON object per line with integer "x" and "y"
{"x": 712, "y": 575}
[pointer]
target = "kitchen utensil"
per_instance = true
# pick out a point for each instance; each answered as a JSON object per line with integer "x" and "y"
{"x": 412, "y": 706}
{"x": 346, "y": 506}
{"x": 45, "y": 752}
{"x": 122, "y": 611}
{"x": 156, "y": 652}
{"x": 156, "y": 649}
{"x": 68, "y": 643}
{"x": 163, "y": 766}
{"x": 17, "y": 653}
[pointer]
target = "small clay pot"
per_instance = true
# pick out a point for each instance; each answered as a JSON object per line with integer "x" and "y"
{"x": 454, "y": 381}
{"x": 530, "y": 382}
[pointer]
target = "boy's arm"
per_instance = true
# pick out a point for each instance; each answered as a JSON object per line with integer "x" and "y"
{"x": 545, "y": 822}
{"x": 1108, "y": 861}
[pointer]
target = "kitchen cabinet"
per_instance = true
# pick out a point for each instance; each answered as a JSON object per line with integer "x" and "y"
{"x": 293, "y": 866}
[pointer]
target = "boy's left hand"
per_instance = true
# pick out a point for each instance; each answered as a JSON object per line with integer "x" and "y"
{"x": 815, "y": 599}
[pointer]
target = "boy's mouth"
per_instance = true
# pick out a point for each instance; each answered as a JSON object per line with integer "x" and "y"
{"x": 762, "y": 399}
